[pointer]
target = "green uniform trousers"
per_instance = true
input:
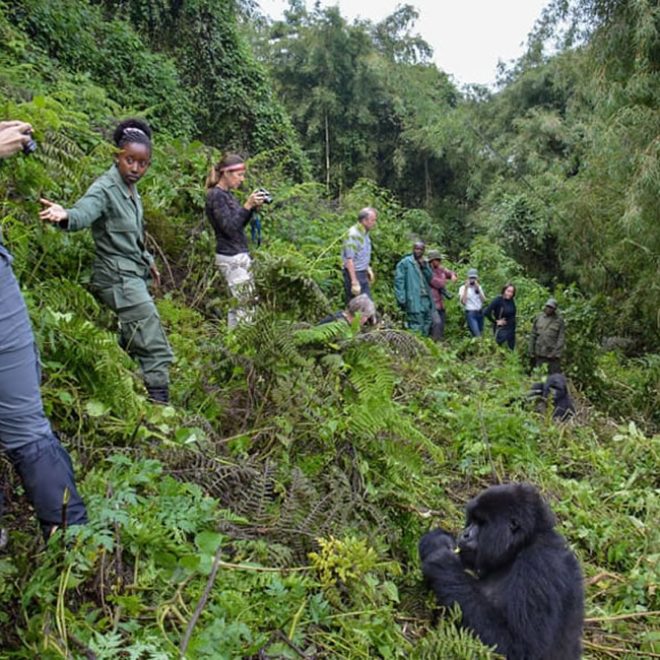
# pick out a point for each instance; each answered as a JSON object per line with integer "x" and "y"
{"x": 141, "y": 333}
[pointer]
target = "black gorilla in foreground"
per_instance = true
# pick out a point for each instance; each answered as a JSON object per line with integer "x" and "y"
{"x": 527, "y": 597}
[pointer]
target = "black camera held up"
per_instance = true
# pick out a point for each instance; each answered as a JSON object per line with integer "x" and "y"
{"x": 267, "y": 197}
{"x": 30, "y": 146}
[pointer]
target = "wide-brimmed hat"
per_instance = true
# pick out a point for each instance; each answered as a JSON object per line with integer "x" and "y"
{"x": 473, "y": 272}
{"x": 551, "y": 303}
{"x": 433, "y": 254}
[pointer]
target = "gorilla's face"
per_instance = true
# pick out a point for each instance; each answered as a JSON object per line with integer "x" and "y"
{"x": 500, "y": 522}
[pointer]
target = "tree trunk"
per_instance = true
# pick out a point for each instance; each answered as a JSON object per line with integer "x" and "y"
{"x": 327, "y": 153}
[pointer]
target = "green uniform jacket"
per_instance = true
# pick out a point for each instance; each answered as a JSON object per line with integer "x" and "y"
{"x": 411, "y": 286}
{"x": 548, "y": 336}
{"x": 117, "y": 221}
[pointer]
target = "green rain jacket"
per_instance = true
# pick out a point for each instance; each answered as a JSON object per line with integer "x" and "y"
{"x": 117, "y": 221}
{"x": 548, "y": 336}
{"x": 411, "y": 286}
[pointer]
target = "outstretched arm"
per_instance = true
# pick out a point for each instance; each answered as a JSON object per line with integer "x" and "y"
{"x": 85, "y": 211}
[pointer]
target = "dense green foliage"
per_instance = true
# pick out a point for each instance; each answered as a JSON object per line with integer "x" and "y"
{"x": 283, "y": 493}
{"x": 560, "y": 166}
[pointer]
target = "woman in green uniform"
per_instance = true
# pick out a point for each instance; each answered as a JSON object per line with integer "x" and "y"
{"x": 123, "y": 268}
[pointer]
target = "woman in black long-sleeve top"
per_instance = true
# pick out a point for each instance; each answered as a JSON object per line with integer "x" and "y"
{"x": 502, "y": 314}
{"x": 229, "y": 219}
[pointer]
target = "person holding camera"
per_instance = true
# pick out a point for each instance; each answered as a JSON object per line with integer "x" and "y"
{"x": 356, "y": 255}
{"x": 26, "y": 436}
{"x": 501, "y": 312}
{"x": 123, "y": 269}
{"x": 229, "y": 219}
{"x": 438, "y": 284}
{"x": 15, "y": 136}
{"x": 472, "y": 298}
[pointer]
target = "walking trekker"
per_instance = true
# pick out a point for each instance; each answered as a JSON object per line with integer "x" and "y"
{"x": 548, "y": 337}
{"x": 502, "y": 314}
{"x": 123, "y": 268}
{"x": 411, "y": 287}
{"x": 26, "y": 436}
{"x": 229, "y": 219}
{"x": 472, "y": 298}
{"x": 438, "y": 284}
{"x": 356, "y": 255}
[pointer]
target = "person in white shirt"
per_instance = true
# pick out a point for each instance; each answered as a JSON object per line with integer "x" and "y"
{"x": 472, "y": 298}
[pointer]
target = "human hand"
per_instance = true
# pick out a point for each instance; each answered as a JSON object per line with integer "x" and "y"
{"x": 256, "y": 199}
{"x": 13, "y": 136}
{"x": 500, "y": 322}
{"x": 370, "y": 275}
{"x": 356, "y": 289}
{"x": 155, "y": 274}
{"x": 53, "y": 212}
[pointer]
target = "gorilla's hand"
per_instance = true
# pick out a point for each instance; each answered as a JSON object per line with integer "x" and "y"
{"x": 437, "y": 545}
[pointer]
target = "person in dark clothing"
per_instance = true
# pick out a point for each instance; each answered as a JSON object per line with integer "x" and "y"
{"x": 26, "y": 436}
{"x": 229, "y": 219}
{"x": 502, "y": 314}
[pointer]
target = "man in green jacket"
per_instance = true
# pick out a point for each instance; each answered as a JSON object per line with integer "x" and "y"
{"x": 546, "y": 343}
{"x": 411, "y": 287}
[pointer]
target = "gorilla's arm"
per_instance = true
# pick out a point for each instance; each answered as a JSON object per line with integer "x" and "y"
{"x": 481, "y": 608}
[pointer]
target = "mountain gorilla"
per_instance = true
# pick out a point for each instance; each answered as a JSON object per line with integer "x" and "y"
{"x": 525, "y": 595}
{"x": 557, "y": 387}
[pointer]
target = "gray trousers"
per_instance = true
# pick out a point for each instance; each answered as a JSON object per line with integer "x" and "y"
{"x": 25, "y": 434}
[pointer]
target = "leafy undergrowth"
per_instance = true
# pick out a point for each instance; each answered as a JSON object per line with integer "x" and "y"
{"x": 274, "y": 509}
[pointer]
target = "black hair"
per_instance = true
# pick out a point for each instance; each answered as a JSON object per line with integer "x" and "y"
{"x": 132, "y": 131}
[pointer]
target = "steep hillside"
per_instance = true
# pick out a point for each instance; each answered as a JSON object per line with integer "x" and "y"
{"x": 274, "y": 509}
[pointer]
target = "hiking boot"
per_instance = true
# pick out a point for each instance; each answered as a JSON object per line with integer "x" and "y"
{"x": 159, "y": 394}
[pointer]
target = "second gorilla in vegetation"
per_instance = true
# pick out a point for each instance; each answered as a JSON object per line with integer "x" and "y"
{"x": 526, "y": 597}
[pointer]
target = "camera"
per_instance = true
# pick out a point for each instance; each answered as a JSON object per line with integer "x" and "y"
{"x": 268, "y": 198}
{"x": 30, "y": 146}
